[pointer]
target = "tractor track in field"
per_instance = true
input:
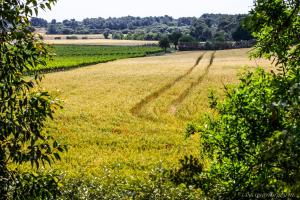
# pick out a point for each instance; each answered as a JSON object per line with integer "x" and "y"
{"x": 136, "y": 110}
{"x": 185, "y": 93}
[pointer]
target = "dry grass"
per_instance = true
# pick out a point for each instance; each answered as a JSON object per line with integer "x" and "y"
{"x": 89, "y": 36}
{"x": 102, "y": 132}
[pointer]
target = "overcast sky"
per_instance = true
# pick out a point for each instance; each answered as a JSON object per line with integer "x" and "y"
{"x": 80, "y": 9}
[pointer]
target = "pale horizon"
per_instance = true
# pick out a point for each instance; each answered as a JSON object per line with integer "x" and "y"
{"x": 68, "y": 9}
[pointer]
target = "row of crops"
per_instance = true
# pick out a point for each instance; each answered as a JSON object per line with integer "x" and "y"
{"x": 70, "y": 56}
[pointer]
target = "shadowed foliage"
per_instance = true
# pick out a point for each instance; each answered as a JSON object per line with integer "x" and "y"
{"x": 24, "y": 107}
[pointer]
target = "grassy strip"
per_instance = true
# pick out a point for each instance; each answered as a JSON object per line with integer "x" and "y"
{"x": 73, "y": 56}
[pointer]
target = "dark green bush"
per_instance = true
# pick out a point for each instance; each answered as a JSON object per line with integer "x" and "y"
{"x": 164, "y": 43}
{"x": 116, "y": 187}
{"x": 189, "y": 172}
{"x": 33, "y": 186}
{"x": 252, "y": 140}
{"x": 253, "y": 143}
{"x": 73, "y": 37}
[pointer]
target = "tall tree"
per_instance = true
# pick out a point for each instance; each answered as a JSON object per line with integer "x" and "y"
{"x": 174, "y": 38}
{"x": 164, "y": 43}
{"x": 24, "y": 107}
{"x": 253, "y": 141}
{"x": 106, "y": 33}
{"x": 198, "y": 29}
{"x": 38, "y": 22}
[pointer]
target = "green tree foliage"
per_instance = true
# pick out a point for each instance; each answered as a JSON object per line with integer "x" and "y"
{"x": 52, "y": 28}
{"x": 276, "y": 26}
{"x": 117, "y": 36}
{"x": 24, "y": 107}
{"x": 190, "y": 170}
{"x": 218, "y": 27}
{"x": 186, "y": 39}
{"x": 174, "y": 38}
{"x": 204, "y": 28}
{"x": 164, "y": 43}
{"x": 220, "y": 36}
{"x": 252, "y": 141}
{"x": 38, "y": 22}
{"x": 106, "y": 33}
{"x": 200, "y": 30}
{"x": 241, "y": 33}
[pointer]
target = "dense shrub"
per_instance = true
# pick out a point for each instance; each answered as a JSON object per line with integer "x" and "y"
{"x": 73, "y": 37}
{"x": 164, "y": 43}
{"x": 186, "y": 39}
{"x": 253, "y": 143}
{"x": 35, "y": 186}
{"x": 189, "y": 172}
{"x": 252, "y": 140}
{"x": 112, "y": 186}
{"x": 215, "y": 45}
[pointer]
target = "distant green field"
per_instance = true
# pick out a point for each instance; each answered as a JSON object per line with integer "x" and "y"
{"x": 69, "y": 56}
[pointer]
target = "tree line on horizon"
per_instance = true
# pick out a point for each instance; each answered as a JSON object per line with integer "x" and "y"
{"x": 208, "y": 27}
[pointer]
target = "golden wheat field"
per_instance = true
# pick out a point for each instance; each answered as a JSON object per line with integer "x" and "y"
{"x": 130, "y": 115}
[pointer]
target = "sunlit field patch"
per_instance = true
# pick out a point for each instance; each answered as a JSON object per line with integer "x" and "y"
{"x": 100, "y": 128}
